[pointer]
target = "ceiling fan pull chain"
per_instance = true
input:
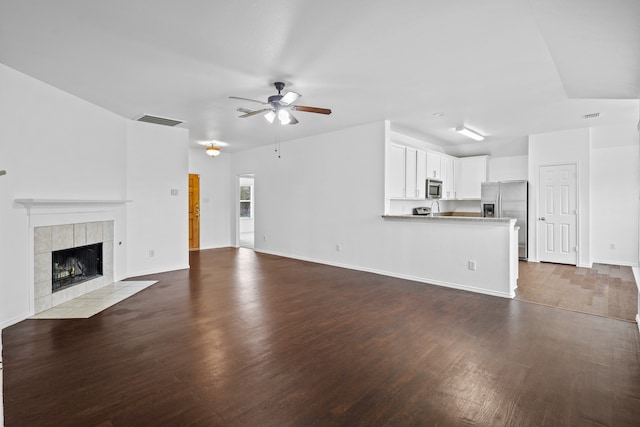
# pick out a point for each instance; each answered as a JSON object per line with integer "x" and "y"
{"x": 277, "y": 150}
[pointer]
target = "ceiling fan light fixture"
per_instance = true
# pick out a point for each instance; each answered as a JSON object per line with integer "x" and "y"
{"x": 290, "y": 98}
{"x": 284, "y": 117}
{"x": 470, "y": 133}
{"x": 278, "y": 106}
{"x": 213, "y": 151}
{"x": 270, "y": 116}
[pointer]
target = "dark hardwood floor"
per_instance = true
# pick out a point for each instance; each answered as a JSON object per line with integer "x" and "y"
{"x": 604, "y": 290}
{"x": 246, "y": 339}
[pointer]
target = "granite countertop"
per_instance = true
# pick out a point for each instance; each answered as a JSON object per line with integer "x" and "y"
{"x": 449, "y": 216}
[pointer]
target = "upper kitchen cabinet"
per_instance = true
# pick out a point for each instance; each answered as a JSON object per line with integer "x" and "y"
{"x": 472, "y": 172}
{"x": 396, "y": 172}
{"x": 434, "y": 165}
{"x": 407, "y": 169}
{"x": 448, "y": 168}
{"x": 442, "y": 167}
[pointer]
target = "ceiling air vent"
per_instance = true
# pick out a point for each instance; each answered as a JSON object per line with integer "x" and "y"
{"x": 591, "y": 116}
{"x": 157, "y": 120}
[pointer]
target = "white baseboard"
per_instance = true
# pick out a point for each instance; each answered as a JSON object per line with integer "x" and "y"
{"x": 13, "y": 321}
{"x": 148, "y": 272}
{"x": 213, "y": 247}
{"x": 615, "y": 262}
{"x": 396, "y": 275}
{"x": 636, "y": 275}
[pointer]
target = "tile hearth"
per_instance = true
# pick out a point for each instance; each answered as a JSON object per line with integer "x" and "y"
{"x": 94, "y": 302}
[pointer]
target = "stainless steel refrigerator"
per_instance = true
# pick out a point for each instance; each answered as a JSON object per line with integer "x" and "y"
{"x": 508, "y": 199}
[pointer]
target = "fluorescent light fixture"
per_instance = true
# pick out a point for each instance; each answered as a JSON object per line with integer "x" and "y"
{"x": 270, "y": 116}
{"x": 469, "y": 133}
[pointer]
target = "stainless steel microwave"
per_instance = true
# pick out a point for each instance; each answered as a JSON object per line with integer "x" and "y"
{"x": 434, "y": 189}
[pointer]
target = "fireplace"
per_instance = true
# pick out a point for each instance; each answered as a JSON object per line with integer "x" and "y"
{"x": 61, "y": 272}
{"x": 72, "y": 266}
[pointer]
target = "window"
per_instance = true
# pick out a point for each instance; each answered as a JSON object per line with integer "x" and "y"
{"x": 246, "y": 199}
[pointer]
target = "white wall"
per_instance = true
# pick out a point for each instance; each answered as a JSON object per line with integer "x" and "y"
{"x": 54, "y": 145}
{"x": 615, "y": 178}
{"x": 157, "y": 162}
{"x": 511, "y": 168}
{"x": 569, "y": 146}
{"x": 608, "y": 185}
{"x": 215, "y": 192}
{"x": 328, "y": 190}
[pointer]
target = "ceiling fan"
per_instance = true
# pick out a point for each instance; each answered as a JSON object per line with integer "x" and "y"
{"x": 279, "y": 106}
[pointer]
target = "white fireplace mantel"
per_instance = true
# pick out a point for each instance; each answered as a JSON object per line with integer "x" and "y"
{"x": 30, "y": 204}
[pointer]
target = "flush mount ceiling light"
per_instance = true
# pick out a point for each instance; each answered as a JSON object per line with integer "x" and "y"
{"x": 213, "y": 151}
{"x": 469, "y": 133}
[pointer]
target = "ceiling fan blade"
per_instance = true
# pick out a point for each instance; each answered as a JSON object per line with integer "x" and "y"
{"x": 292, "y": 120}
{"x": 290, "y": 98}
{"x": 254, "y": 113}
{"x": 245, "y": 110}
{"x": 248, "y": 99}
{"x": 311, "y": 109}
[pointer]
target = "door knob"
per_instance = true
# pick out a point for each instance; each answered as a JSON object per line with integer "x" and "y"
{"x": 542, "y": 218}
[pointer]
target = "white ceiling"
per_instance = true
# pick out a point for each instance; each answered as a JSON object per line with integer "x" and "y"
{"x": 506, "y": 68}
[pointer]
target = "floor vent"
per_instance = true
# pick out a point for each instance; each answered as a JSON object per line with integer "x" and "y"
{"x": 157, "y": 120}
{"x": 591, "y": 116}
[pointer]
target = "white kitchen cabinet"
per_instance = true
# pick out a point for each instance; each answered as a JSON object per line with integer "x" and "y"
{"x": 396, "y": 172}
{"x": 421, "y": 173}
{"x": 411, "y": 173}
{"x": 434, "y": 165}
{"x": 448, "y": 169}
{"x": 406, "y": 172}
{"x": 472, "y": 172}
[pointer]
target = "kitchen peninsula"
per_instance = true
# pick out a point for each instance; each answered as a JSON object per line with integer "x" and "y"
{"x": 470, "y": 253}
{"x": 461, "y": 250}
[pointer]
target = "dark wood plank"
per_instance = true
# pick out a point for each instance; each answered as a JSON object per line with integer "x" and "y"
{"x": 245, "y": 339}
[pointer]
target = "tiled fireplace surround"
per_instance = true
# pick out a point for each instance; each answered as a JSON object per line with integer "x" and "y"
{"x": 53, "y": 238}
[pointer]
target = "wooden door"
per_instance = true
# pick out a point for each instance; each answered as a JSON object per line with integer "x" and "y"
{"x": 557, "y": 217}
{"x": 194, "y": 211}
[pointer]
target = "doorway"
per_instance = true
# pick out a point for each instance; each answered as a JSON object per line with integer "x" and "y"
{"x": 246, "y": 211}
{"x": 557, "y": 214}
{"x": 194, "y": 211}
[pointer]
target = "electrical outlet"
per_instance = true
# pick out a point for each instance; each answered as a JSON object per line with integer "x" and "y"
{"x": 264, "y": 238}
{"x": 152, "y": 253}
{"x": 612, "y": 246}
{"x": 338, "y": 247}
{"x": 472, "y": 265}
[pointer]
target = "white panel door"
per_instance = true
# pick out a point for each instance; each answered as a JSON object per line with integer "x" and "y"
{"x": 557, "y": 215}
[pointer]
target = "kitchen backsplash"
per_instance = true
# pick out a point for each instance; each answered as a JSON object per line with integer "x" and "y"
{"x": 401, "y": 207}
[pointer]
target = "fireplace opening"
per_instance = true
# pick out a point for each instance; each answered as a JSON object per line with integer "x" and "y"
{"x": 75, "y": 265}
